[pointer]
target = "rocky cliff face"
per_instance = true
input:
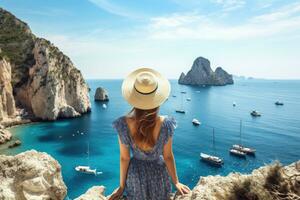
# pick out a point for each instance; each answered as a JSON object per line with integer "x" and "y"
{"x": 45, "y": 82}
{"x": 202, "y": 74}
{"x": 31, "y": 175}
{"x": 7, "y": 102}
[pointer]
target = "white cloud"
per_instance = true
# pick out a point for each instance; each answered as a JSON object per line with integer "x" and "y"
{"x": 112, "y": 8}
{"x": 197, "y": 26}
{"x": 230, "y": 5}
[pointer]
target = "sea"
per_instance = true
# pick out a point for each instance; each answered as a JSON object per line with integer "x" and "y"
{"x": 275, "y": 135}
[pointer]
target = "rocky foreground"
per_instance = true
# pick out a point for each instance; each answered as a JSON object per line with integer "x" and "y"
{"x": 31, "y": 175}
{"x": 202, "y": 74}
{"x": 37, "y": 176}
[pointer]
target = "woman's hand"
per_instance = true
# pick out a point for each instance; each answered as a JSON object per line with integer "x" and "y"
{"x": 183, "y": 189}
{"x": 117, "y": 194}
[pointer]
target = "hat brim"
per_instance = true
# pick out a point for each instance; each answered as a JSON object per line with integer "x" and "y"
{"x": 148, "y": 101}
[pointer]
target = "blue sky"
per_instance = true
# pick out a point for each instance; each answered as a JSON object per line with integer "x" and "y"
{"x": 109, "y": 38}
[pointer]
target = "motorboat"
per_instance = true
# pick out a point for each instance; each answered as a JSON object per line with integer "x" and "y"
{"x": 188, "y": 99}
{"x": 196, "y": 122}
{"x": 237, "y": 153}
{"x": 233, "y": 104}
{"x": 104, "y": 106}
{"x": 211, "y": 159}
{"x": 173, "y": 95}
{"x": 183, "y": 92}
{"x": 255, "y": 113}
{"x": 86, "y": 170}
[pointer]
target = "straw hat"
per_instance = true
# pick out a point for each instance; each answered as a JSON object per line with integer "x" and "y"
{"x": 145, "y": 88}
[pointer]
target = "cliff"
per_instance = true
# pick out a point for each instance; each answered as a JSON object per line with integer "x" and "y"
{"x": 44, "y": 81}
{"x": 31, "y": 175}
{"x": 202, "y": 74}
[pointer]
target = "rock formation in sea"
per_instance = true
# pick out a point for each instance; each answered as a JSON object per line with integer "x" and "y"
{"x": 44, "y": 81}
{"x": 101, "y": 94}
{"x": 202, "y": 74}
{"x": 31, "y": 175}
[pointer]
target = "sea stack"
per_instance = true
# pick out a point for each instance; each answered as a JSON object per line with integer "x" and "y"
{"x": 101, "y": 94}
{"x": 44, "y": 81}
{"x": 202, "y": 74}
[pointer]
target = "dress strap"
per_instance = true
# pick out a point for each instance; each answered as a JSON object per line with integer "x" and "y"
{"x": 170, "y": 124}
{"x": 120, "y": 125}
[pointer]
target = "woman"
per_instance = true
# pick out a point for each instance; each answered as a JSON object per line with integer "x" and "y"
{"x": 145, "y": 175}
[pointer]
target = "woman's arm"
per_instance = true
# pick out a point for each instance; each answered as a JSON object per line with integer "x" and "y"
{"x": 124, "y": 162}
{"x": 170, "y": 163}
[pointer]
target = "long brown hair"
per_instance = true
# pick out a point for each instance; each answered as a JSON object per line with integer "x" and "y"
{"x": 145, "y": 121}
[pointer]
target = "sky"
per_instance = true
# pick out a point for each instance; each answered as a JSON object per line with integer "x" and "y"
{"x": 110, "y": 38}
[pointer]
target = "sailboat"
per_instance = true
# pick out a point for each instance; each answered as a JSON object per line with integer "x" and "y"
{"x": 181, "y": 110}
{"x": 212, "y": 159}
{"x": 239, "y": 147}
{"x": 86, "y": 169}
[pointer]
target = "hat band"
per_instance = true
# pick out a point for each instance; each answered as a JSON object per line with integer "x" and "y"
{"x": 146, "y": 93}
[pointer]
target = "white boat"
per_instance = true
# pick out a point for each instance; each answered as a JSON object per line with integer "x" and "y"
{"x": 173, "y": 95}
{"x": 255, "y": 113}
{"x": 188, "y": 99}
{"x": 237, "y": 153}
{"x": 86, "y": 169}
{"x": 211, "y": 159}
{"x": 241, "y": 148}
{"x": 104, "y": 106}
{"x": 196, "y": 122}
{"x": 233, "y": 104}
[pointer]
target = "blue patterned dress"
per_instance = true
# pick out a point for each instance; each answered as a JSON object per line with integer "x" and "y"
{"x": 147, "y": 176}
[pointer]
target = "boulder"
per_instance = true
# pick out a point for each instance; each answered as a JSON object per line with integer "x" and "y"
{"x": 101, "y": 94}
{"x": 5, "y": 136}
{"x": 31, "y": 175}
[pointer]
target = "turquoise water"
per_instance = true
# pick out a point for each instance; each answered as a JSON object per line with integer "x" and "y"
{"x": 275, "y": 135}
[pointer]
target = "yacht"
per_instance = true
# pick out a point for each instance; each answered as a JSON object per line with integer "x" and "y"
{"x": 246, "y": 150}
{"x": 240, "y": 147}
{"x": 255, "y": 113}
{"x": 211, "y": 159}
{"x": 181, "y": 110}
{"x": 196, "y": 122}
{"x": 86, "y": 169}
{"x": 237, "y": 153}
